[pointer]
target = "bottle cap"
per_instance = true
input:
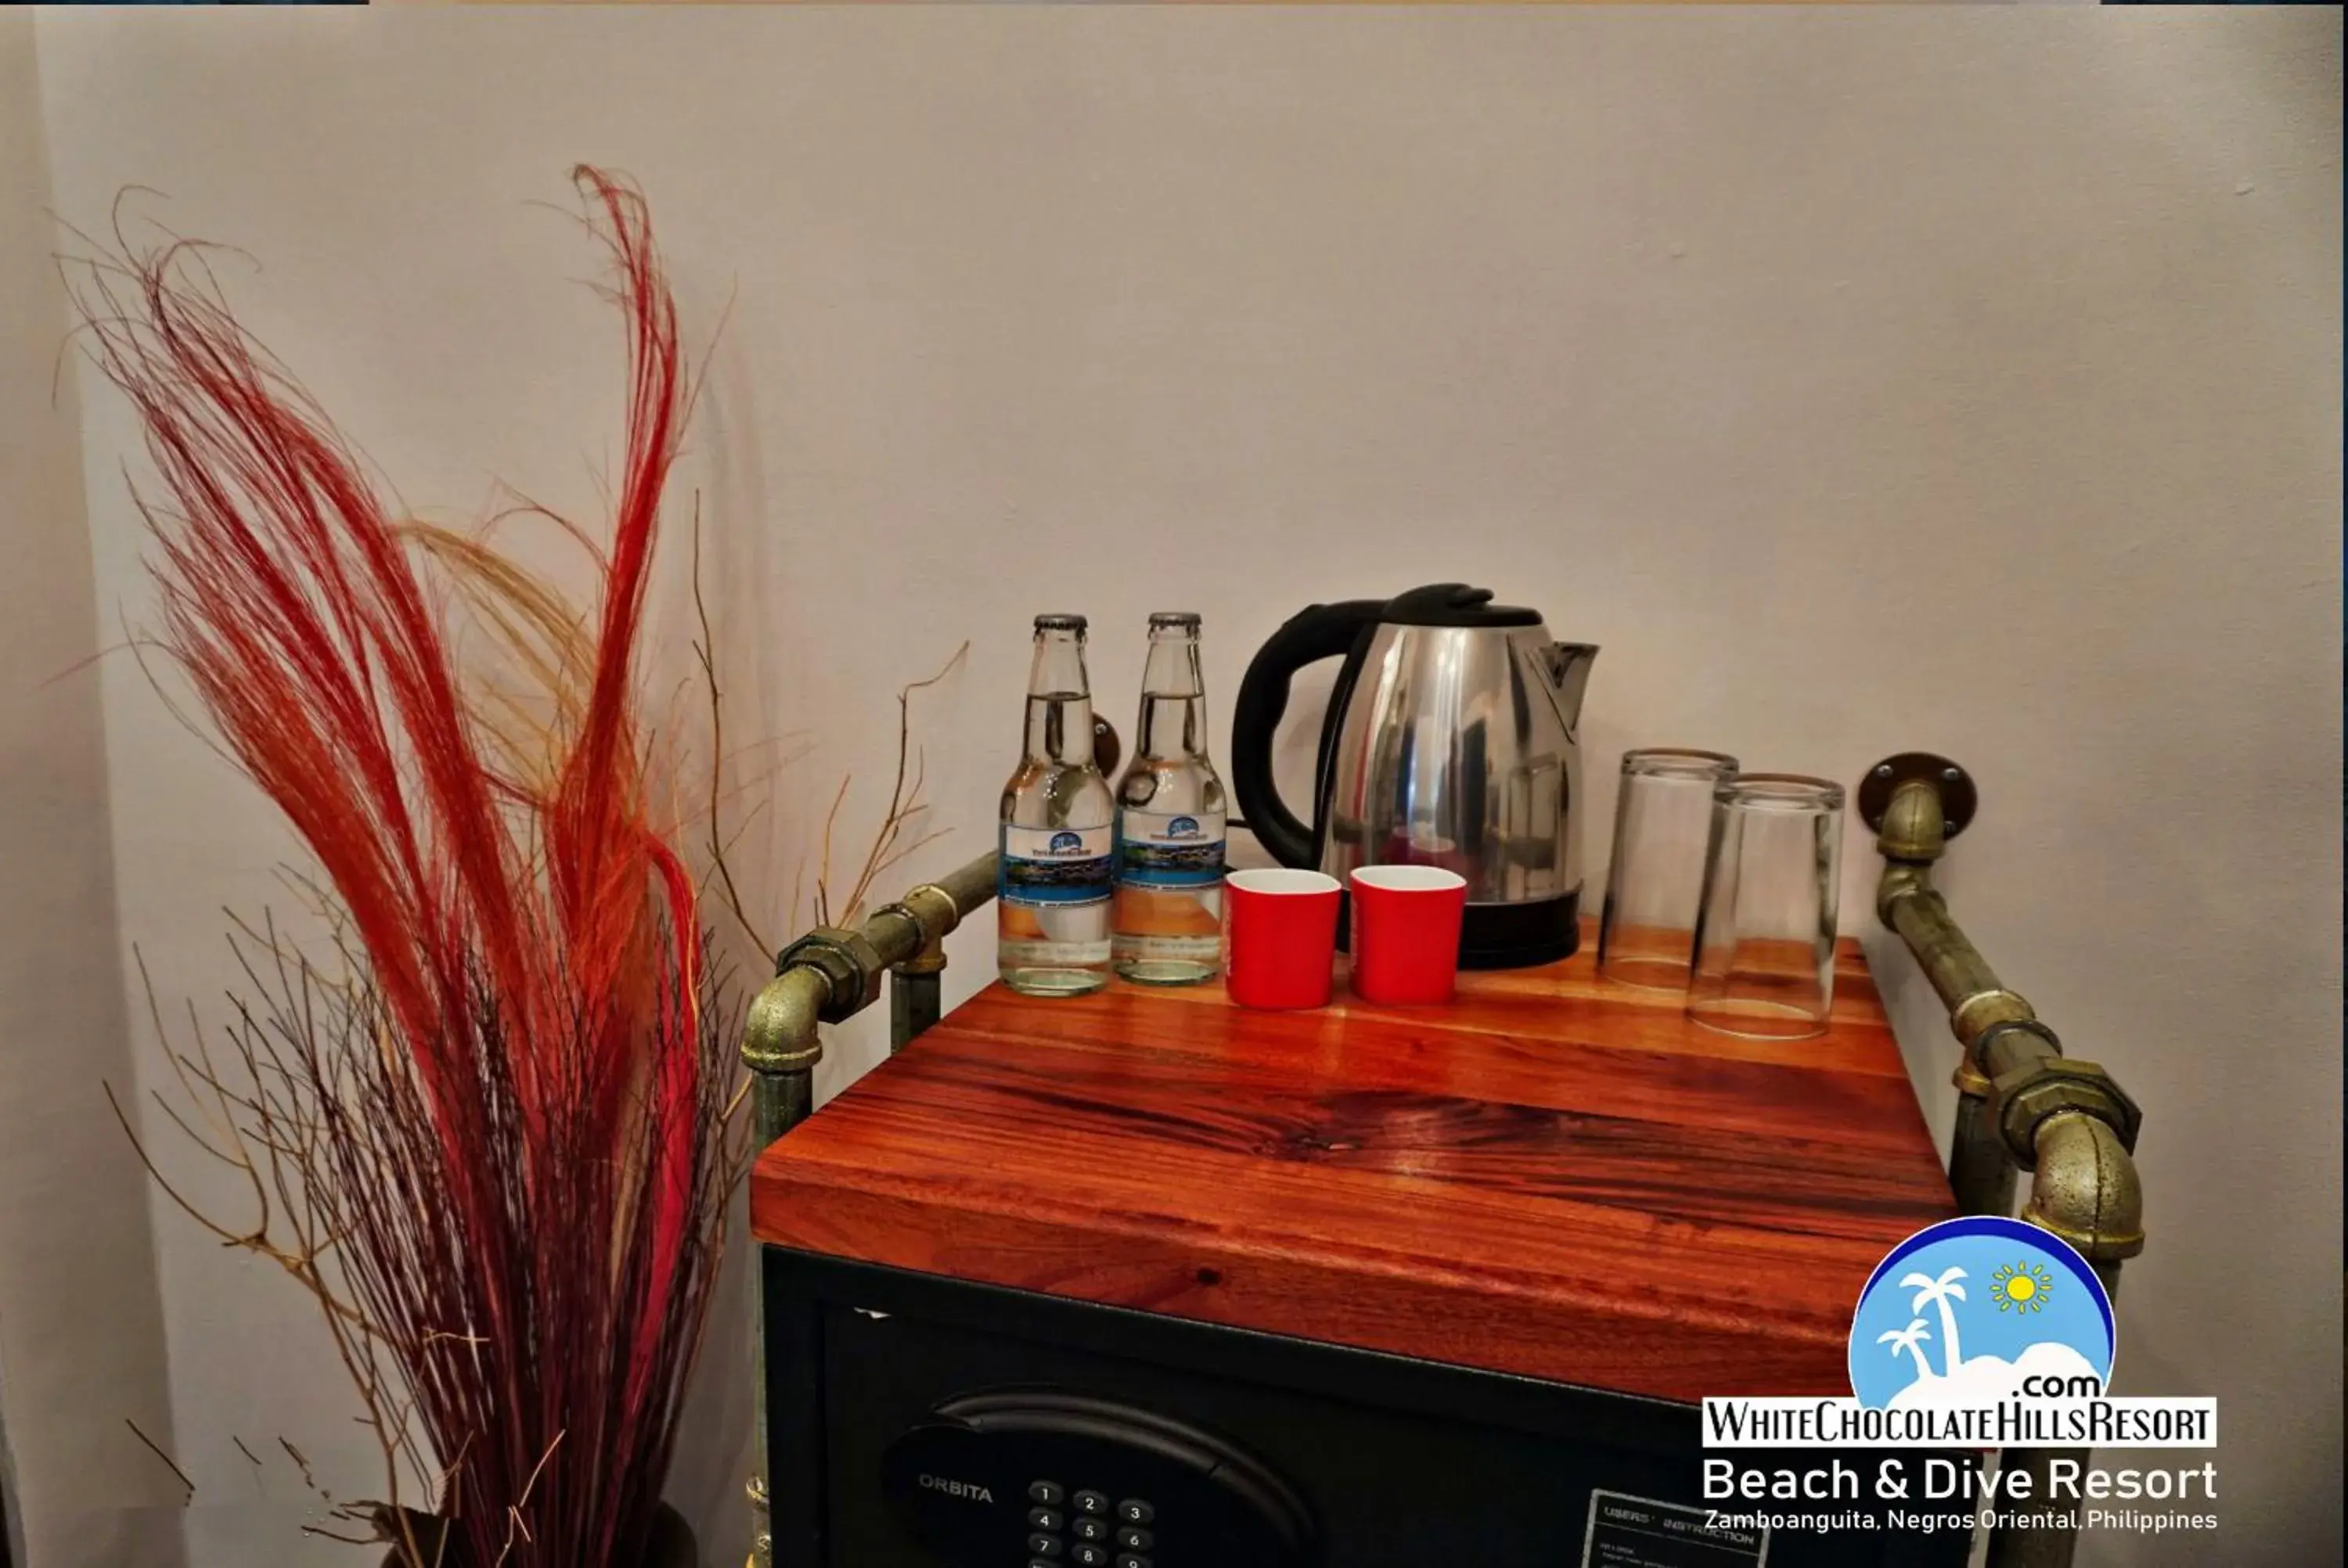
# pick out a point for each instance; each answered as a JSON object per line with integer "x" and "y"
{"x": 1059, "y": 623}
{"x": 1183, "y": 618}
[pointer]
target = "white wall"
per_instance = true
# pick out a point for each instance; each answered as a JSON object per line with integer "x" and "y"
{"x": 81, "y": 1349}
{"x": 1860, "y": 381}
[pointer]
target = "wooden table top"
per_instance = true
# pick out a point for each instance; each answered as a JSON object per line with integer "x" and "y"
{"x": 1556, "y": 1176}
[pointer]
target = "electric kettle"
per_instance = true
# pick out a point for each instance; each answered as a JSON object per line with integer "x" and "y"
{"x": 1449, "y": 741}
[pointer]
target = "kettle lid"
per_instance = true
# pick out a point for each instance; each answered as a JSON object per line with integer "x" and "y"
{"x": 1454, "y": 604}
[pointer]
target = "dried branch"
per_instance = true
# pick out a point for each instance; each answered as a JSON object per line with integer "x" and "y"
{"x": 705, "y": 651}
{"x": 905, "y": 809}
{"x": 156, "y": 1448}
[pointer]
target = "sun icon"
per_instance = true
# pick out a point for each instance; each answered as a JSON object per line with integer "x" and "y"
{"x": 2020, "y": 1288}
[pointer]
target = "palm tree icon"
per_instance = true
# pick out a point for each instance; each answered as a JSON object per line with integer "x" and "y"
{"x": 1911, "y": 1339}
{"x": 1939, "y": 1293}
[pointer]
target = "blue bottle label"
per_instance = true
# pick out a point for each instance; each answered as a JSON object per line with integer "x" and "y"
{"x": 1170, "y": 850}
{"x": 1055, "y": 865}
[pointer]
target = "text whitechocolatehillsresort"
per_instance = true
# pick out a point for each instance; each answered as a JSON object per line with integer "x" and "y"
{"x": 2100, "y": 1422}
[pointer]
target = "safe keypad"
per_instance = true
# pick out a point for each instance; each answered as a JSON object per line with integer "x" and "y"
{"x": 1088, "y": 1529}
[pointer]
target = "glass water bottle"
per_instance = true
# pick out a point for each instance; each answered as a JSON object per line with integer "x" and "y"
{"x": 1170, "y": 823}
{"x": 1052, "y": 894}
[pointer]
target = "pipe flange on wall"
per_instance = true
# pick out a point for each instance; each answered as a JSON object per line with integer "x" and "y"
{"x": 847, "y": 959}
{"x": 1951, "y": 786}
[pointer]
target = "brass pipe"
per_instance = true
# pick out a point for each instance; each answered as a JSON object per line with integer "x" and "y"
{"x": 2021, "y": 1104}
{"x": 915, "y": 1003}
{"x": 916, "y": 985}
{"x": 916, "y": 999}
{"x": 826, "y": 977}
{"x": 762, "y": 1535}
{"x": 934, "y": 912}
{"x": 1915, "y": 909}
{"x": 1976, "y": 998}
{"x": 779, "y": 1035}
{"x": 780, "y": 1101}
{"x": 2087, "y": 1190}
{"x": 971, "y": 884}
{"x": 896, "y": 934}
{"x": 780, "y": 1047}
{"x": 1915, "y": 828}
{"x": 2005, "y": 1049}
{"x": 906, "y": 934}
{"x": 2036, "y": 1545}
{"x": 934, "y": 909}
{"x": 1913, "y": 835}
{"x": 1980, "y": 1172}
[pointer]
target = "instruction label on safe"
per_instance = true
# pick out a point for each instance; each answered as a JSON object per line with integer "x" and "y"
{"x": 1628, "y": 1532}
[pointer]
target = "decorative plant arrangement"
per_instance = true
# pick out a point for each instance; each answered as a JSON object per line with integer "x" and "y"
{"x": 490, "y": 1132}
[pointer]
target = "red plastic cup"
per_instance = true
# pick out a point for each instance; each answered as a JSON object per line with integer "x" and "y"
{"x": 1406, "y": 933}
{"x": 1283, "y": 937}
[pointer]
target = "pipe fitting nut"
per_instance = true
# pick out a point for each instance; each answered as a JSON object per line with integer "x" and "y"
{"x": 2024, "y": 1098}
{"x": 847, "y": 960}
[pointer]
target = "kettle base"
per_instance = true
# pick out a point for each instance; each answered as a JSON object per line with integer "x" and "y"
{"x": 1522, "y": 935}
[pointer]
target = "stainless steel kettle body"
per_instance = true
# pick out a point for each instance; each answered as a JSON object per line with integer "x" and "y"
{"x": 1450, "y": 740}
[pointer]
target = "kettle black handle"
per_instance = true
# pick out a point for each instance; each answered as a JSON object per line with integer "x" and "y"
{"x": 1314, "y": 634}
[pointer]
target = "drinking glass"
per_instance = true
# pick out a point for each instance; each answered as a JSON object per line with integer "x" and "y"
{"x": 1765, "y": 940}
{"x": 1655, "y": 881}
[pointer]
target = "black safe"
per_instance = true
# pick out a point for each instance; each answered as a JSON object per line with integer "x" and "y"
{"x": 916, "y": 1421}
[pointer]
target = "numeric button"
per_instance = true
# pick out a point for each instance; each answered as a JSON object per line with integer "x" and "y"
{"x": 1130, "y": 1560}
{"x": 1050, "y": 1519}
{"x": 1050, "y": 1493}
{"x": 1133, "y": 1510}
{"x": 1088, "y": 1555}
{"x": 1087, "y": 1528}
{"x": 1134, "y": 1540}
{"x": 1090, "y": 1501}
{"x": 1045, "y": 1545}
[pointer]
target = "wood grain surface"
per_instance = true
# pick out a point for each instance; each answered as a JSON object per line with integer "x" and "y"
{"x": 1556, "y": 1176}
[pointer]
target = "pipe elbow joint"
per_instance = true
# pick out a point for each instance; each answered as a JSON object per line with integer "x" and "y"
{"x": 2087, "y": 1190}
{"x": 1915, "y": 828}
{"x": 780, "y": 1035}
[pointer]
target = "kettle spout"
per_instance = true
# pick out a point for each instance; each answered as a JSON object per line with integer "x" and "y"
{"x": 1569, "y": 672}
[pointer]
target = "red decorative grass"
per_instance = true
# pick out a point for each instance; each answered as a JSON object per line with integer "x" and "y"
{"x": 508, "y": 1128}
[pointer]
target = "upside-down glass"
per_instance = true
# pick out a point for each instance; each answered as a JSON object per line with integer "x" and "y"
{"x": 1655, "y": 879}
{"x": 1765, "y": 942}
